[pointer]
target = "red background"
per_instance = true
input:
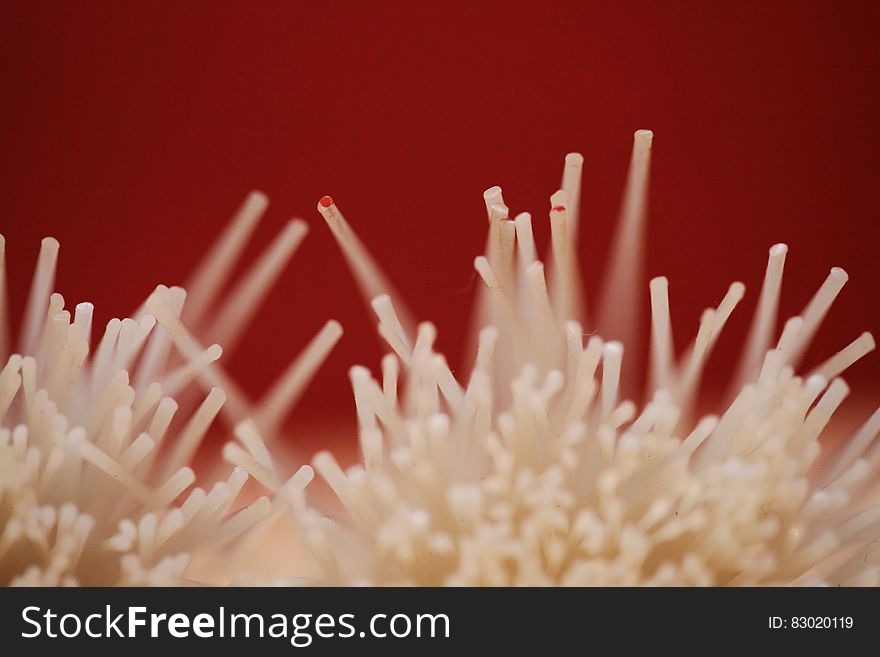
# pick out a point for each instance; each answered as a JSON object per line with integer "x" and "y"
{"x": 131, "y": 131}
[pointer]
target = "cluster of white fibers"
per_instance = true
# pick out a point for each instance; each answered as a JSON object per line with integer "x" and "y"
{"x": 96, "y": 440}
{"x": 534, "y": 472}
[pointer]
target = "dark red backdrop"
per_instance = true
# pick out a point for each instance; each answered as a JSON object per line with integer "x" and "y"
{"x": 130, "y": 131}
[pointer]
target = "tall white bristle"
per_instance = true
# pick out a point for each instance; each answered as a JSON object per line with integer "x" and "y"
{"x": 368, "y": 275}
{"x": 215, "y": 269}
{"x": 230, "y": 321}
{"x": 571, "y": 186}
{"x": 624, "y": 278}
{"x": 4, "y": 303}
{"x": 764, "y": 323}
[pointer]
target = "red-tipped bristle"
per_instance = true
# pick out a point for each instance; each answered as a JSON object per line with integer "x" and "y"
{"x": 326, "y": 201}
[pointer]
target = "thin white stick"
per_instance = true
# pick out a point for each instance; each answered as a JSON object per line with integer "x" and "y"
{"x": 393, "y": 332}
{"x": 620, "y": 303}
{"x": 839, "y": 362}
{"x": 823, "y": 410}
{"x": 499, "y": 251}
{"x": 571, "y": 185}
{"x": 612, "y": 357}
{"x": 287, "y": 388}
{"x": 716, "y": 446}
{"x": 102, "y": 361}
{"x": 38, "y": 301}
{"x": 137, "y": 451}
{"x": 504, "y": 308}
{"x": 359, "y": 377}
{"x": 544, "y": 338}
{"x": 713, "y": 321}
{"x": 487, "y": 340}
{"x": 525, "y": 247}
{"x": 130, "y": 343}
{"x": 4, "y": 304}
{"x": 113, "y": 469}
{"x": 690, "y": 444}
{"x": 368, "y": 275}
{"x": 506, "y": 249}
{"x": 390, "y": 370}
{"x": 499, "y": 216}
{"x": 661, "y": 335}
{"x": 584, "y": 388}
{"x": 574, "y": 346}
{"x": 82, "y": 319}
{"x": 696, "y": 359}
{"x": 565, "y": 281}
{"x": 249, "y": 436}
{"x": 146, "y": 403}
{"x": 244, "y": 519}
{"x": 855, "y": 447}
{"x": 734, "y": 295}
{"x": 764, "y": 322}
{"x": 187, "y": 443}
{"x": 250, "y": 292}
{"x": 158, "y": 428}
{"x": 265, "y": 474}
{"x": 525, "y": 240}
{"x": 214, "y": 270}
{"x": 816, "y": 310}
{"x": 173, "y": 486}
{"x": 55, "y": 328}
{"x": 10, "y": 380}
{"x": 326, "y": 465}
{"x": 492, "y": 196}
{"x": 212, "y": 375}
{"x": 449, "y": 386}
{"x": 176, "y": 380}
{"x": 157, "y": 349}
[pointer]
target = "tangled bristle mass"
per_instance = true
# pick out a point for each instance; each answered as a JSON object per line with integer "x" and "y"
{"x": 534, "y": 469}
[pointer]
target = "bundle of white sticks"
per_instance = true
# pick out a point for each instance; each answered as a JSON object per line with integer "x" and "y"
{"x": 533, "y": 471}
